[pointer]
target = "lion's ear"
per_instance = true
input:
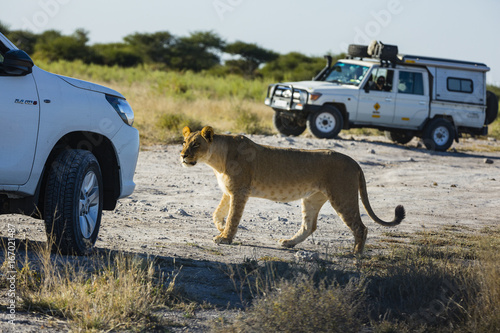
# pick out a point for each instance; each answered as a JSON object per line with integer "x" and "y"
{"x": 186, "y": 131}
{"x": 208, "y": 133}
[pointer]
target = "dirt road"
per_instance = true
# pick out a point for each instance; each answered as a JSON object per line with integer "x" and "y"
{"x": 169, "y": 214}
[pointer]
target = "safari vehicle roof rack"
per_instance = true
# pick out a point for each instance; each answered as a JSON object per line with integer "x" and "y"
{"x": 441, "y": 62}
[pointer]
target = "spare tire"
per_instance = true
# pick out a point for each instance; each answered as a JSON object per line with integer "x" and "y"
{"x": 355, "y": 50}
{"x": 491, "y": 107}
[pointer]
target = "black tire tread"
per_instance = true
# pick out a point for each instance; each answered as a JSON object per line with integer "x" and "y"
{"x": 59, "y": 194}
{"x": 312, "y": 126}
{"x": 355, "y": 50}
{"x": 427, "y": 134}
{"x": 491, "y": 107}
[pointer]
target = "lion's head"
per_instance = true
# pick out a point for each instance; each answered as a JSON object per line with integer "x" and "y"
{"x": 196, "y": 145}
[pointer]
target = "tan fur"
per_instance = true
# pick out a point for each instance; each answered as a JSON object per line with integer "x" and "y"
{"x": 245, "y": 169}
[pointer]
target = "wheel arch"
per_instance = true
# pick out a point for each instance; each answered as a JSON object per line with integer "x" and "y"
{"x": 445, "y": 117}
{"x": 102, "y": 148}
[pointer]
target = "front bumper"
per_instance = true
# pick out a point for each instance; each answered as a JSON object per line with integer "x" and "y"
{"x": 126, "y": 142}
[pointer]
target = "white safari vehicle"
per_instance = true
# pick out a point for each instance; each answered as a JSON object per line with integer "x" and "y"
{"x": 434, "y": 99}
{"x": 67, "y": 149}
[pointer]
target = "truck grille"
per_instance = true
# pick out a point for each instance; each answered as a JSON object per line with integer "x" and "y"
{"x": 286, "y": 97}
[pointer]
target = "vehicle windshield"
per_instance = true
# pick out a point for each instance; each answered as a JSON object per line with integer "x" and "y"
{"x": 346, "y": 73}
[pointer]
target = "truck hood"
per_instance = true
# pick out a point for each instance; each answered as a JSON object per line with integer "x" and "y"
{"x": 90, "y": 86}
{"x": 318, "y": 85}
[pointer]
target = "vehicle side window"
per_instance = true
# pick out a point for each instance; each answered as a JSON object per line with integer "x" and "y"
{"x": 459, "y": 85}
{"x": 381, "y": 79}
{"x": 410, "y": 83}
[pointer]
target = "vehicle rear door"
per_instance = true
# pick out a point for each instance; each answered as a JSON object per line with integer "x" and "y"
{"x": 412, "y": 98}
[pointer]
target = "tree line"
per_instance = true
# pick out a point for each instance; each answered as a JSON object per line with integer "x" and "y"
{"x": 200, "y": 51}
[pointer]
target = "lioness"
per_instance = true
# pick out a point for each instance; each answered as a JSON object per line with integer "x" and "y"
{"x": 246, "y": 169}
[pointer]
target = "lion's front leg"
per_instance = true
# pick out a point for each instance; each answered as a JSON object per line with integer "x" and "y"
{"x": 310, "y": 210}
{"x": 221, "y": 212}
{"x": 236, "y": 206}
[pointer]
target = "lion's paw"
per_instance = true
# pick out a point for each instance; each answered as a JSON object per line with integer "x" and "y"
{"x": 286, "y": 243}
{"x": 222, "y": 240}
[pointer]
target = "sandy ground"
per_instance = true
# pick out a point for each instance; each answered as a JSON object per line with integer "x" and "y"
{"x": 169, "y": 214}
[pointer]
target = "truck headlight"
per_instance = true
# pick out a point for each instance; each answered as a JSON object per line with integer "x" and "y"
{"x": 123, "y": 109}
{"x": 303, "y": 97}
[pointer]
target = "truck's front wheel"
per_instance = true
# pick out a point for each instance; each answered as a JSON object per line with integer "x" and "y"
{"x": 73, "y": 202}
{"x": 439, "y": 134}
{"x": 326, "y": 123}
{"x": 287, "y": 126}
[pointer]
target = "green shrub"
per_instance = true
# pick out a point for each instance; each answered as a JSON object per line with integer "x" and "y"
{"x": 175, "y": 122}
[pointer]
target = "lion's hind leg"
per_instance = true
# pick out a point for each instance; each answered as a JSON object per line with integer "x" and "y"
{"x": 348, "y": 210}
{"x": 310, "y": 210}
{"x": 221, "y": 212}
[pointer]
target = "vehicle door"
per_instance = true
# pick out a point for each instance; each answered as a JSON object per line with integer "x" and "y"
{"x": 412, "y": 98}
{"x": 19, "y": 117}
{"x": 377, "y": 98}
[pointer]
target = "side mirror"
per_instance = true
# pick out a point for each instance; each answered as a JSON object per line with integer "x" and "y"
{"x": 17, "y": 63}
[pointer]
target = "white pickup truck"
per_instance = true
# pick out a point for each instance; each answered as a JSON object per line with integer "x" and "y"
{"x": 67, "y": 150}
{"x": 434, "y": 99}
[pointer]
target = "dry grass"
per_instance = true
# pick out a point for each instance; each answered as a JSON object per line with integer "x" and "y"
{"x": 229, "y": 104}
{"x": 443, "y": 280}
{"x": 99, "y": 293}
{"x": 429, "y": 286}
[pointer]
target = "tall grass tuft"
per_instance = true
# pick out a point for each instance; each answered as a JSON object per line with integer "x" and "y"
{"x": 303, "y": 306}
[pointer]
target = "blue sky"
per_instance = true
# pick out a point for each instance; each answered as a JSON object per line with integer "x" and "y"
{"x": 464, "y": 30}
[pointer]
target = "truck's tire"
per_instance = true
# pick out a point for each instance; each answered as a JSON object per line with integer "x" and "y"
{"x": 287, "y": 126}
{"x": 438, "y": 134}
{"x": 491, "y": 107}
{"x": 73, "y": 202}
{"x": 326, "y": 123}
{"x": 355, "y": 50}
{"x": 399, "y": 137}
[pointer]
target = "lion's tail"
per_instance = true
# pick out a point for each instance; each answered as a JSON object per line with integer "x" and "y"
{"x": 400, "y": 211}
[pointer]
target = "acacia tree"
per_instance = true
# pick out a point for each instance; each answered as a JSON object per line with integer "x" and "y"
{"x": 152, "y": 47}
{"x": 197, "y": 52}
{"x": 25, "y": 40}
{"x": 52, "y": 45}
{"x": 251, "y": 56}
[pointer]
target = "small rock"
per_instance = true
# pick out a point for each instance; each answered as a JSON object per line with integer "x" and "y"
{"x": 453, "y": 185}
{"x": 143, "y": 246}
{"x": 411, "y": 159}
{"x": 371, "y": 151}
{"x": 182, "y": 212}
{"x": 307, "y": 256}
{"x": 488, "y": 161}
